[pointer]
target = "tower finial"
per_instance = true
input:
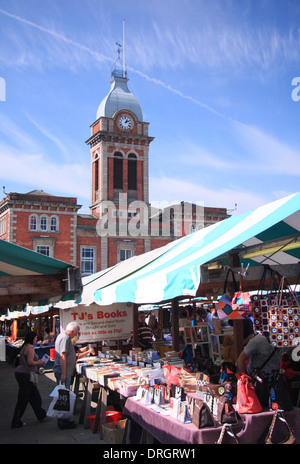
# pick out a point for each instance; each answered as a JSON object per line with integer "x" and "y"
{"x": 119, "y": 66}
{"x": 124, "y": 62}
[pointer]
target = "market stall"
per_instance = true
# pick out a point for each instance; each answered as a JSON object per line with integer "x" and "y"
{"x": 29, "y": 277}
{"x": 195, "y": 266}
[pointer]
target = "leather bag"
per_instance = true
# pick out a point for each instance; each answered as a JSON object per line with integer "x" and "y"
{"x": 227, "y": 430}
{"x": 290, "y": 440}
{"x": 226, "y": 413}
{"x": 202, "y": 415}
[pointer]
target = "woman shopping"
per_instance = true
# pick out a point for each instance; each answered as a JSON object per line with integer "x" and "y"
{"x": 25, "y": 374}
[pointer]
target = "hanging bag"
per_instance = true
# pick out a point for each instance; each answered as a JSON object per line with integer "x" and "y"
{"x": 224, "y": 308}
{"x": 284, "y": 319}
{"x": 241, "y": 301}
{"x": 247, "y": 400}
{"x": 261, "y": 301}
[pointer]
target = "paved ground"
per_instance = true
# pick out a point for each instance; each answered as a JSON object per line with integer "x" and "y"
{"x": 35, "y": 432}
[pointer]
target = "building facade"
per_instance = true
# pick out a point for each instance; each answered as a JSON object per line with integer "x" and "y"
{"x": 121, "y": 222}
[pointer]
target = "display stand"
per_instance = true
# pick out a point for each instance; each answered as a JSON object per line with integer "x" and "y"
{"x": 216, "y": 348}
{"x": 196, "y": 336}
{"x": 216, "y": 342}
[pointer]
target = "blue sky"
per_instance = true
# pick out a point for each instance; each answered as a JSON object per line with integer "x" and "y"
{"x": 214, "y": 79}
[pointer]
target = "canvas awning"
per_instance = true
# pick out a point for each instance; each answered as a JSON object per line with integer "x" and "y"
{"x": 30, "y": 277}
{"x": 269, "y": 234}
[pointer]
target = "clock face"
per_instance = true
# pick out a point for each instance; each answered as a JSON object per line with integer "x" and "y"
{"x": 125, "y": 122}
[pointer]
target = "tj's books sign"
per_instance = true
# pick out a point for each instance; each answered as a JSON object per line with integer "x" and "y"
{"x": 96, "y": 322}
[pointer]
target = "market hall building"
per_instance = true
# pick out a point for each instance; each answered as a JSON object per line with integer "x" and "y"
{"x": 121, "y": 223}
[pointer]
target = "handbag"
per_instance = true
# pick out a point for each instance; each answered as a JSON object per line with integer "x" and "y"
{"x": 247, "y": 400}
{"x": 284, "y": 319}
{"x": 226, "y": 388}
{"x": 224, "y": 307}
{"x": 261, "y": 302}
{"x": 226, "y": 414}
{"x": 187, "y": 380}
{"x": 290, "y": 438}
{"x": 34, "y": 377}
{"x": 228, "y": 430}
{"x": 279, "y": 396}
{"x": 241, "y": 301}
{"x": 202, "y": 416}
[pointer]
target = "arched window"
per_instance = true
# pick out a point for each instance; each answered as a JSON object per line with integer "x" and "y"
{"x": 44, "y": 224}
{"x": 54, "y": 224}
{"x": 132, "y": 172}
{"x": 33, "y": 222}
{"x": 118, "y": 170}
{"x": 96, "y": 176}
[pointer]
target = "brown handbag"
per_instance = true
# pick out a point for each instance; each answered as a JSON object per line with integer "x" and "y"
{"x": 202, "y": 415}
{"x": 290, "y": 440}
{"x": 226, "y": 413}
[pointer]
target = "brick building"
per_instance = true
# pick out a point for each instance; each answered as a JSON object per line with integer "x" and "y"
{"x": 121, "y": 222}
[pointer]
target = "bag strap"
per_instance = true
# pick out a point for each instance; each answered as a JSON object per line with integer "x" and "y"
{"x": 227, "y": 428}
{"x": 235, "y": 285}
{"x": 268, "y": 358}
{"x": 278, "y": 414}
{"x": 283, "y": 282}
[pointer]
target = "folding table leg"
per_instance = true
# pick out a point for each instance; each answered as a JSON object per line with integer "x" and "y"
{"x": 103, "y": 409}
{"x": 98, "y": 412}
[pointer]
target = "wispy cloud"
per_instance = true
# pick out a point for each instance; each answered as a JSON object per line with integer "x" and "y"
{"x": 21, "y": 168}
{"x": 25, "y": 161}
{"x": 58, "y": 143}
{"x": 56, "y": 35}
{"x": 165, "y": 189}
{"x": 268, "y": 153}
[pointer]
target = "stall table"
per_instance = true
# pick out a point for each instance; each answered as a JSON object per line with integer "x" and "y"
{"x": 168, "y": 430}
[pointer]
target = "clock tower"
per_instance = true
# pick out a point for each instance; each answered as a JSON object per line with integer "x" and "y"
{"x": 119, "y": 147}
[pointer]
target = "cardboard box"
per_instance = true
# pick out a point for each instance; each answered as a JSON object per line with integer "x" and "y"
{"x": 113, "y": 432}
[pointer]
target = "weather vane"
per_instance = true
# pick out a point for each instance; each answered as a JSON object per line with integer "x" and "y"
{"x": 119, "y": 60}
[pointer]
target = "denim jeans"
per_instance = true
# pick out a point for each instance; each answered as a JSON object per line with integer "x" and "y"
{"x": 67, "y": 382}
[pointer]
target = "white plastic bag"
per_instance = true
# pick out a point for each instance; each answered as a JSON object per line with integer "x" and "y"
{"x": 62, "y": 404}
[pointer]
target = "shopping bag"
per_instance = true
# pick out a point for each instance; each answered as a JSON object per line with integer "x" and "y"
{"x": 62, "y": 404}
{"x": 247, "y": 400}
